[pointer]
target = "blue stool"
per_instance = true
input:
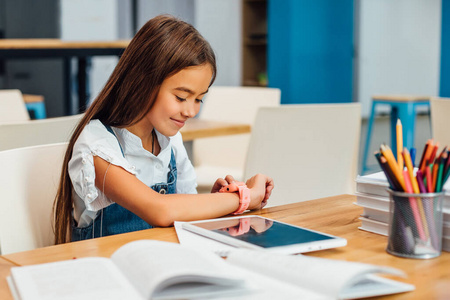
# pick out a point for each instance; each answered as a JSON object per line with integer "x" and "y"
{"x": 403, "y": 108}
{"x": 35, "y": 105}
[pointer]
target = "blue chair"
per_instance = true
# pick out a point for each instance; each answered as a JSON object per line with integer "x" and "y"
{"x": 35, "y": 105}
{"x": 403, "y": 108}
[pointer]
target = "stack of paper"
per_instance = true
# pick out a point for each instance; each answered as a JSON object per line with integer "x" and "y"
{"x": 372, "y": 195}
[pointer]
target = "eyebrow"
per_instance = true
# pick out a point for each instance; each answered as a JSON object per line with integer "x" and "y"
{"x": 185, "y": 89}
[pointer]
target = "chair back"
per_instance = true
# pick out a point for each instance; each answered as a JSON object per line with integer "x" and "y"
{"x": 311, "y": 151}
{"x": 37, "y": 132}
{"x": 29, "y": 179}
{"x": 440, "y": 120}
{"x": 12, "y": 106}
{"x": 229, "y": 104}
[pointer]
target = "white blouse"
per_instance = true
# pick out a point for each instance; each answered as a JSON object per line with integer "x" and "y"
{"x": 96, "y": 140}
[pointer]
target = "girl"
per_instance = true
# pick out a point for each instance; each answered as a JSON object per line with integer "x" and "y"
{"x": 126, "y": 168}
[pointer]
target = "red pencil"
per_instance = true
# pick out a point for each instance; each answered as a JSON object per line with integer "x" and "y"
{"x": 426, "y": 156}
{"x": 433, "y": 154}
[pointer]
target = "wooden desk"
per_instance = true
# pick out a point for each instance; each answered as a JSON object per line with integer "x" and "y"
{"x": 56, "y": 48}
{"x": 5, "y": 267}
{"x": 334, "y": 215}
{"x": 198, "y": 128}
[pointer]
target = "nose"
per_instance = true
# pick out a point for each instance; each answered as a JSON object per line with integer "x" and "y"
{"x": 190, "y": 109}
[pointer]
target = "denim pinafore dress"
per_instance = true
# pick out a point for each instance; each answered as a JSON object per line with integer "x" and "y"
{"x": 115, "y": 219}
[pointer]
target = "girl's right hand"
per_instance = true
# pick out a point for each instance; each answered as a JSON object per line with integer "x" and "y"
{"x": 261, "y": 187}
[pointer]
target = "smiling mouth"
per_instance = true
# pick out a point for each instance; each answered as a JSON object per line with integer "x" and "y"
{"x": 178, "y": 122}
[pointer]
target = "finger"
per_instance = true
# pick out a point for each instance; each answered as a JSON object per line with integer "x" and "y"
{"x": 263, "y": 203}
{"x": 229, "y": 179}
{"x": 218, "y": 185}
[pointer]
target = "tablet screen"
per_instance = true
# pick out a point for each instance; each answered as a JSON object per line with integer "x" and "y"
{"x": 262, "y": 232}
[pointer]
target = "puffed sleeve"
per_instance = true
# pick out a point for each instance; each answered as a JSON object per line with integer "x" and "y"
{"x": 186, "y": 178}
{"x": 94, "y": 140}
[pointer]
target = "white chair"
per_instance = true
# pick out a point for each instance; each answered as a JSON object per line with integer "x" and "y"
{"x": 12, "y": 106}
{"x": 440, "y": 120}
{"x": 37, "y": 132}
{"x": 311, "y": 151}
{"x": 29, "y": 179}
{"x": 220, "y": 156}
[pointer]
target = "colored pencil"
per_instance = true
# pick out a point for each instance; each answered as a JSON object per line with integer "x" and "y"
{"x": 434, "y": 174}
{"x": 399, "y": 131}
{"x": 412, "y": 152}
{"x": 447, "y": 163}
{"x": 393, "y": 165}
{"x": 428, "y": 207}
{"x": 439, "y": 182}
{"x": 426, "y": 156}
{"x": 422, "y": 187}
{"x": 425, "y": 150}
{"x": 414, "y": 207}
{"x": 393, "y": 182}
{"x": 428, "y": 178}
{"x": 434, "y": 152}
{"x": 410, "y": 169}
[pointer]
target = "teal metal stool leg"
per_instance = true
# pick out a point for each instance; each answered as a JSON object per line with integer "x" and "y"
{"x": 37, "y": 108}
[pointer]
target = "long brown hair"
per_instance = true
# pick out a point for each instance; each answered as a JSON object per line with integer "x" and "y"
{"x": 161, "y": 48}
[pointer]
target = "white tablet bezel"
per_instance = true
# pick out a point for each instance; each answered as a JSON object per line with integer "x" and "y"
{"x": 334, "y": 242}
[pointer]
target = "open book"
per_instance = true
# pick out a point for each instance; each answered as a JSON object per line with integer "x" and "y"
{"x": 159, "y": 270}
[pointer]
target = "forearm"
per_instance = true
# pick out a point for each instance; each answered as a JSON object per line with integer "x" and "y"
{"x": 189, "y": 207}
{"x": 157, "y": 209}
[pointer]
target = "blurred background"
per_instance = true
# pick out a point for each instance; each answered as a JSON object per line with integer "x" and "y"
{"x": 315, "y": 51}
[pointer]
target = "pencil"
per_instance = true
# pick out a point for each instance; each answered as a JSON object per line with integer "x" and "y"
{"x": 428, "y": 207}
{"x": 434, "y": 174}
{"x": 428, "y": 178}
{"x": 410, "y": 168}
{"x": 399, "y": 131}
{"x": 442, "y": 160}
{"x": 447, "y": 163}
{"x": 393, "y": 165}
{"x": 412, "y": 152}
{"x": 414, "y": 207}
{"x": 434, "y": 152}
{"x": 415, "y": 187}
{"x": 426, "y": 156}
{"x": 425, "y": 150}
{"x": 395, "y": 185}
{"x": 419, "y": 176}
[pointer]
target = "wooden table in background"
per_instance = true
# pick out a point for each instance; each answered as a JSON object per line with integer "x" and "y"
{"x": 198, "y": 128}
{"x": 56, "y": 48}
{"x": 333, "y": 215}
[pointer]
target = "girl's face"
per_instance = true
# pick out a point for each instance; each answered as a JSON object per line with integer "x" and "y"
{"x": 179, "y": 99}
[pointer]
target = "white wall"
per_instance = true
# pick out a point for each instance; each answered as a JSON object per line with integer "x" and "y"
{"x": 219, "y": 21}
{"x": 399, "y": 48}
{"x": 92, "y": 20}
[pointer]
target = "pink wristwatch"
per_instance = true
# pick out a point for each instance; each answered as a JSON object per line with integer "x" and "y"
{"x": 244, "y": 195}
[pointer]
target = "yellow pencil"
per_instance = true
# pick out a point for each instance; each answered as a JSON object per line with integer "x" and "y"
{"x": 399, "y": 130}
{"x": 393, "y": 165}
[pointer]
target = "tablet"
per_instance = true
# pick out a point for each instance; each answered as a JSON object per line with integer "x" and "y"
{"x": 255, "y": 232}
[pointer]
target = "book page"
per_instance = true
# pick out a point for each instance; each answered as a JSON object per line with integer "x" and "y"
{"x": 83, "y": 278}
{"x": 153, "y": 266}
{"x": 330, "y": 277}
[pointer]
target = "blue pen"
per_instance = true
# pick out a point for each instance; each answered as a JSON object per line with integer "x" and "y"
{"x": 413, "y": 156}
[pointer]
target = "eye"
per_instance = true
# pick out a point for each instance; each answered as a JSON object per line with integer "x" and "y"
{"x": 180, "y": 99}
{"x": 199, "y": 100}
